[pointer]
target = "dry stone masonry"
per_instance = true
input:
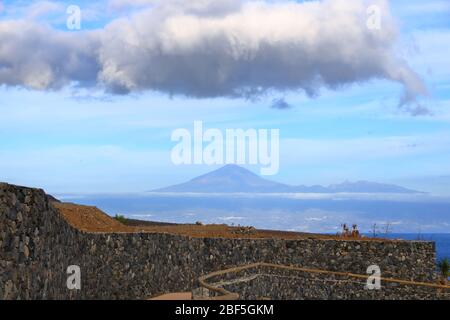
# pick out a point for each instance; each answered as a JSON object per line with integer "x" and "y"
{"x": 265, "y": 281}
{"x": 37, "y": 245}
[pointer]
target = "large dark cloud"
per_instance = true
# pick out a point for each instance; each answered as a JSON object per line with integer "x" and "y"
{"x": 213, "y": 50}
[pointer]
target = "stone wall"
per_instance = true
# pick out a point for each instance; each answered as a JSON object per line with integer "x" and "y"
{"x": 37, "y": 245}
{"x": 289, "y": 283}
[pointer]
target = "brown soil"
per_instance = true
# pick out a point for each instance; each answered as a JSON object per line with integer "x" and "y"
{"x": 91, "y": 219}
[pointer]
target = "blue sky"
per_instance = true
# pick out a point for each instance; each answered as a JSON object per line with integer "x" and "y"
{"x": 82, "y": 139}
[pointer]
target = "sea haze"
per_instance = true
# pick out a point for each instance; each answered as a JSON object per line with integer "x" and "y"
{"x": 299, "y": 212}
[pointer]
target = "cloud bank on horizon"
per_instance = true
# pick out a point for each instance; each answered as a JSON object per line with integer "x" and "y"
{"x": 208, "y": 49}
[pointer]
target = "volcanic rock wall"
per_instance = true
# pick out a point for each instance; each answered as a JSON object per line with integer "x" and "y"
{"x": 260, "y": 281}
{"x": 37, "y": 245}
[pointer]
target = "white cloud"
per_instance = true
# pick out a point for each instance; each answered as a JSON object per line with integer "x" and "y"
{"x": 120, "y": 4}
{"x": 38, "y": 57}
{"x": 42, "y": 8}
{"x": 212, "y": 49}
{"x": 187, "y": 6}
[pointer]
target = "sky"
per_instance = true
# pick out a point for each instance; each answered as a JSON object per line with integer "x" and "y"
{"x": 92, "y": 109}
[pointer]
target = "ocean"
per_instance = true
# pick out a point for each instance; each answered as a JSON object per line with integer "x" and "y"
{"x": 402, "y": 218}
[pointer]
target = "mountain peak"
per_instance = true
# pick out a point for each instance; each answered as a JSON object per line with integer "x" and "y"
{"x": 232, "y": 168}
{"x": 227, "y": 179}
{"x": 229, "y": 171}
{"x": 232, "y": 178}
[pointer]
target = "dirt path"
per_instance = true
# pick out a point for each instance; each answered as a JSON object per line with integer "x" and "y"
{"x": 174, "y": 296}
